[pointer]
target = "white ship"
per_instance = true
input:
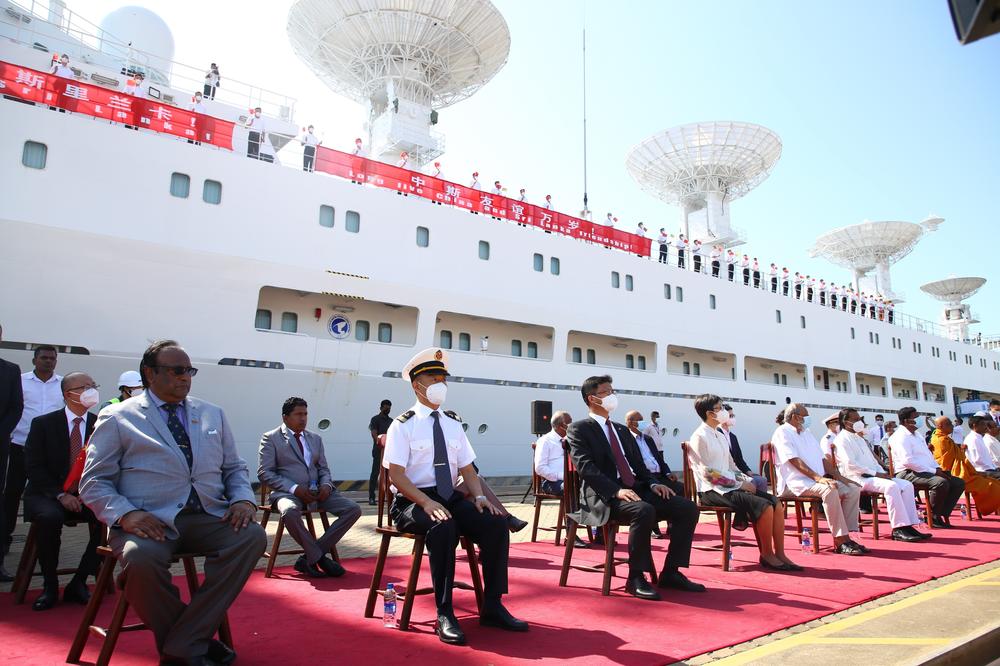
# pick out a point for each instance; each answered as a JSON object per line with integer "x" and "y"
{"x": 280, "y": 282}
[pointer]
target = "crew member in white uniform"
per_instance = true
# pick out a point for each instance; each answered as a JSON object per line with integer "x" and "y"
{"x": 309, "y": 143}
{"x": 855, "y": 460}
{"x": 404, "y": 160}
{"x": 61, "y": 68}
{"x": 715, "y": 256}
{"x": 426, "y": 451}
{"x": 436, "y": 173}
{"x": 475, "y": 181}
{"x": 496, "y": 187}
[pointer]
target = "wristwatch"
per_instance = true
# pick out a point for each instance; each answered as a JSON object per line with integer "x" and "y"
{"x": 480, "y": 497}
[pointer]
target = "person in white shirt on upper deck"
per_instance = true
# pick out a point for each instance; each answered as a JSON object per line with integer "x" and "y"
{"x": 681, "y": 244}
{"x": 62, "y": 69}
{"x": 436, "y": 171}
{"x": 976, "y": 450}
{"x": 664, "y": 241}
{"x": 913, "y": 461}
{"x": 475, "y": 181}
{"x": 715, "y": 257}
{"x": 404, "y": 160}
{"x": 548, "y": 202}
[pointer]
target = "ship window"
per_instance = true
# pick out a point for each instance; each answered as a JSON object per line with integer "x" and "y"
{"x": 616, "y": 280}
{"x": 484, "y": 250}
{"x": 686, "y": 368}
{"x": 591, "y": 357}
{"x": 642, "y": 362}
{"x": 630, "y": 361}
{"x": 784, "y": 380}
{"x": 666, "y": 291}
{"x": 577, "y": 355}
{"x": 262, "y": 320}
{"x": 326, "y": 216}
{"x": 876, "y": 339}
{"x": 697, "y": 369}
{"x": 352, "y": 222}
{"x": 802, "y": 321}
{"x": 34, "y": 155}
{"x": 385, "y": 332}
{"x": 680, "y": 294}
{"x": 515, "y": 347}
{"x": 532, "y": 350}
{"x": 446, "y": 339}
{"x": 711, "y": 301}
{"x": 538, "y": 262}
{"x": 289, "y": 322}
{"x": 211, "y": 192}
{"x": 464, "y": 342}
{"x": 777, "y": 378}
{"x": 871, "y": 337}
{"x": 361, "y": 330}
{"x": 180, "y": 185}
{"x": 423, "y": 237}
{"x": 628, "y": 283}
{"x": 852, "y": 332}
{"x": 554, "y": 265}
{"x": 777, "y": 316}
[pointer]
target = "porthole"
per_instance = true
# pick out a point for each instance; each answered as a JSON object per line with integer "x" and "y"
{"x": 676, "y": 431}
{"x": 483, "y": 428}
{"x": 465, "y": 427}
{"x": 324, "y": 424}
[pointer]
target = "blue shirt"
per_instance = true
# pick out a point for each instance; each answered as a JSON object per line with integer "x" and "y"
{"x": 181, "y": 411}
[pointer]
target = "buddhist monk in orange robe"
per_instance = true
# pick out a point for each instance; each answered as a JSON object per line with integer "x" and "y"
{"x": 949, "y": 455}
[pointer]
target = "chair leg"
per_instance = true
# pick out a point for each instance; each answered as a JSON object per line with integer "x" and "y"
{"x": 265, "y": 517}
{"x": 25, "y": 566}
{"x": 609, "y": 559}
{"x": 568, "y": 551}
{"x": 875, "y": 517}
{"x": 814, "y": 511}
{"x": 968, "y": 505}
{"x": 928, "y": 511}
{"x": 798, "y": 520}
{"x": 562, "y": 519}
{"x": 534, "y": 523}
{"x": 104, "y": 578}
{"x": 727, "y": 531}
{"x": 477, "y": 579}
{"x": 275, "y": 547}
{"x": 113, "y": 631}
{"x": 383, "y": 551}
{"x": 411, "y": 582}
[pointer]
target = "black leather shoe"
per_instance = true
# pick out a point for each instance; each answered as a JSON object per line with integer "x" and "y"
{"x": 47, "y": 599}
{"x": 657, "y": 534}
{"x": 678, "y": 581}
{"x": 639, "y": 587}
{"x": 580, "y": 543}
{"x": 848, "y": 548}
{"x": 220, "y": 653}
{"x": 913, "y": 530}
{"x": 498, "y": 616}
{"x": 448, "y": 630}
{"x": 371, "y": 501}
{"x": 900, "y": 534}
{"x": 861, "y": 547}
{"x": 5, "y": 576}
{"x": 76, "y": 592}
{"x": 515, "y": 524}
{"x": 311, "y": 570}
{"x": 331, "y": 567}
{"x": 938, "y": 521}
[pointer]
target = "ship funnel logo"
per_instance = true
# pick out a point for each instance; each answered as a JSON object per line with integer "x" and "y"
{"x": 339, "y": 327}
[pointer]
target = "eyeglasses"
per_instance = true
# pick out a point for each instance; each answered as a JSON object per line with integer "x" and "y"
{"x": 83, "y": 388}
{"x": 178, "y": 370}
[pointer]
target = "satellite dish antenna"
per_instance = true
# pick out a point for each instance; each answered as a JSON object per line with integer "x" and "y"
{"x": 956, "y": 315}
{"x": 704, "y": 166}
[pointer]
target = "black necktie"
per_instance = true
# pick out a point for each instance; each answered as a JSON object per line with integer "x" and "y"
{"x": 442, "y": 469}
{"x": 184, "y": 444}
{"x": 624, "y": 471}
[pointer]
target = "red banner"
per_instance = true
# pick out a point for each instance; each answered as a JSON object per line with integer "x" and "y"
{"x": 99, "y": 102}
{"x": 384, "y": 175}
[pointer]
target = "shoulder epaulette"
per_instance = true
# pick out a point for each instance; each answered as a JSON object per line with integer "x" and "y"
{"x": 452, "y": 415}
{"x": 404, "y": 417}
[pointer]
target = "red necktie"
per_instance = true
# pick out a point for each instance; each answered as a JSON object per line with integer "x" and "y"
{"x": 75, "y": 446}
{"x": 628, "y": 479}
{"x": 302, "y": 449}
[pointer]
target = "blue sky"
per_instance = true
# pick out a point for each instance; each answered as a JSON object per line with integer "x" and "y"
{"x": 882, "y": 114}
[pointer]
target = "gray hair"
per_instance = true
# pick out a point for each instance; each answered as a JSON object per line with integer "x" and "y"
{"x": 791, "y": 410}
{"x": 561, "y": 419}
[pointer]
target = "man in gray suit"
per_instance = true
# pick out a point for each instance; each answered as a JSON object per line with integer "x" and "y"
{"x": 293, "y": 464}
{"x": 163, "y": 472}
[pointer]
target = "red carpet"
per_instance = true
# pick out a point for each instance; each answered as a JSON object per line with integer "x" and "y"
{"x": 291, "y": 620}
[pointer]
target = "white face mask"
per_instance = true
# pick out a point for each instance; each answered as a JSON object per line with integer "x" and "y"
{"x": 136, "y": 392}
{"x": 90, "y": 397}
{"x": 610, "y": 402}
{"x": 722, "y": 416}
{"x": 436, "y": 393}
{"x": 732, "y": 421}
{"x": 859, "y": 427}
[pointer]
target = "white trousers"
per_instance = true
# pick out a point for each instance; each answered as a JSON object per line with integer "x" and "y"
{"x": 898, "y": 498}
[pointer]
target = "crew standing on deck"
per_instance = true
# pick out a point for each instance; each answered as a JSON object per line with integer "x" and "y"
{"x": 664, "y": 241}
{"x": 309, "y": 143}
{"x": 212, "y": 81}
{"x": 255, "y": 123}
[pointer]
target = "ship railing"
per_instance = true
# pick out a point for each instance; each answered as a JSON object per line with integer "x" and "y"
{"x": 103, "y": 49}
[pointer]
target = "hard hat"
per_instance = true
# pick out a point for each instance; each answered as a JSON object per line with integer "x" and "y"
{"x": 129, "y": 378}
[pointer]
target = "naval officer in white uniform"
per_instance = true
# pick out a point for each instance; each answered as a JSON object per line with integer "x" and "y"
{"x": 425, "y": 452}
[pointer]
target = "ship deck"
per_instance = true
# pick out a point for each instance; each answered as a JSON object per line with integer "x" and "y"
{"x": 900, "y": 604}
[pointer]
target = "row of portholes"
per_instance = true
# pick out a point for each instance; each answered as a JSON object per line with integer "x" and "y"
{"x": 324, "y": 424}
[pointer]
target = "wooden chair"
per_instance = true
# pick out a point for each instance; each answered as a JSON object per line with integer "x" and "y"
{"x": 928, "y": 511}
{"x": 609, "y": 532}
{"x": 26, "y": 567}
{"x": 111, "y": 633}
{"x": 540, "y": 497}
{"x": 272, "y": 555}
{"x": 814, "y": 503}
{"x": 724, "y": 515}
{"x": 875, "y": 497}
{"x": 411, "y": 590}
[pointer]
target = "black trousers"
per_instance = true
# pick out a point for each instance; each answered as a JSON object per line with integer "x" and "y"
{"x": 209, "y": 91}
{"x": 48, "y": 516}
{"x": 784, "y": 287}
{"x": 680, "y": 258}
{"x": 944, "y": 491}
{"x": 756, "y": 279}
{"x": 746, "y": 276}
{"x": 715, "y": 269}
{"x": 732, "y": 271}
{"x": 697, "y": 263}
{"x": 642, "y": 518}
{"x": 373, "y": 477}
{"x": 489, "y": 532}
{"x": 809, "y": 294}
{"x": 13, "y": 487}
{"x": 253, "y": 145}
{"x": 308, "y": 158}
{"x": 774, "y": 285}
{"x": 663, "y": 252}
{"x": 822, "y": 298}
{"x": 798, "y": 291}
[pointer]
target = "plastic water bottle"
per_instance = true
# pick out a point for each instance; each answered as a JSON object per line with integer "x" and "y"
{"x": 389, "y": 607}
{"x": 806, "y": 541}
{"x": 965, "y": 512}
